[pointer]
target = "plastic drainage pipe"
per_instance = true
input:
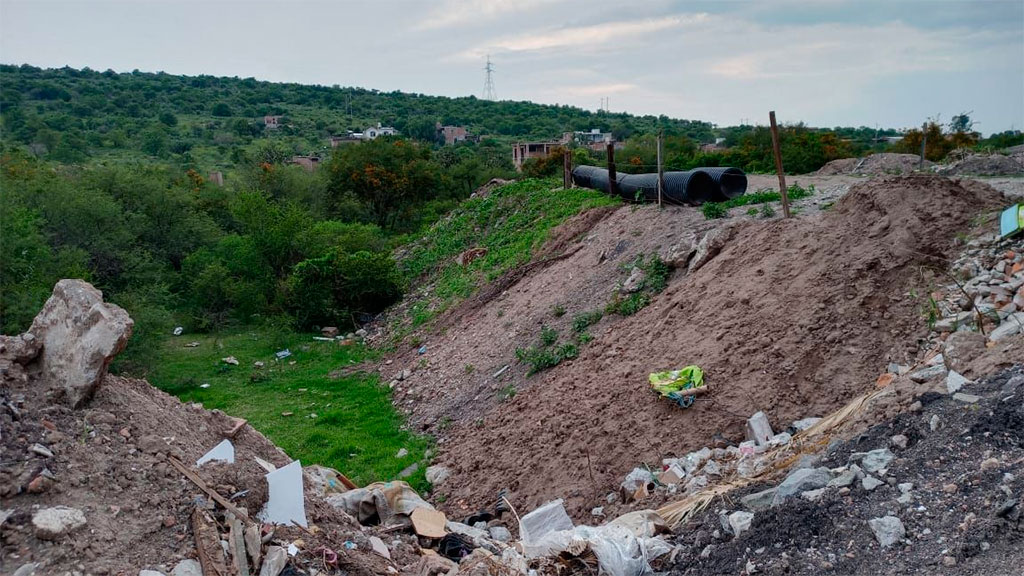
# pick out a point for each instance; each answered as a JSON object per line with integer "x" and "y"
{"x": 690, "y": 187}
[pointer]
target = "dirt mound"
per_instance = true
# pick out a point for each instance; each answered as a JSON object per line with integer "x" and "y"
{"x": 882, "y": 164}
{"x": 793, "y": 318}
{"x": 984, "y": 165}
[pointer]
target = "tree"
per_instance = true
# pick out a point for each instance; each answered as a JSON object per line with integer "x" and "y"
{"x": 389, "y": 175}
{"x": 221, "y": 109}
{"x": 168, "y": 118}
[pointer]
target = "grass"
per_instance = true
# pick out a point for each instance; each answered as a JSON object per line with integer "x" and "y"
{"x": 356, "y": 430}
{"x": 511, "y": 223}
{"x": 712, "y": 210}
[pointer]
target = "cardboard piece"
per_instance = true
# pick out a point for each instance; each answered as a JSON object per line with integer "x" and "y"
{"x": 429, "y": 523}
{"x": 224, "y": 452}
{"x": 286, "y": 500}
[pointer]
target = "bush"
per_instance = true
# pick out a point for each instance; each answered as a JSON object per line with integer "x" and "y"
{"x": 712, "y": 210}
{"x": 335, "y": 288}
{"x": 581, "y": 322}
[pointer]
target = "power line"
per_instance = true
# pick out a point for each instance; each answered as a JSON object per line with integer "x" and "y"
{"x": 489, "y": 93}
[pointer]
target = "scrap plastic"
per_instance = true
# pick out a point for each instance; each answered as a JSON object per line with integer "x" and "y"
{"x": 672, "y": 384}
{"x": 1011, "y": 221}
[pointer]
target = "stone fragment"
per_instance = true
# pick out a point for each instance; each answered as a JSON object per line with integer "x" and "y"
{"x": 678, "y": 255}
{"x": 379, "y": 548}
{"x": 961, "y": 348}
{"x": 739, "y": 522}
{"x": 53, "y": 523}
{"x": 187, "y": 567}
{"x": 635, "y": 281}
{"x": 955, "y": 381}
{"x": 813, "y": 495}
{"x": 437, "y": 474}
{"x": 989, "y": 464}
{"x": 759, "y": 501}
{"x": 759, "y": 429}
{"x": 20, "y": 349}
{"x": 1010, "y": 326}
{"x": 899, "y": 441}
{"x": 935, "y": 422}
{"x": 888, "y": 530}
{"x": 802, "y": 480}
{"x": 966, "y": 398}
{"x": 501, "y": 534}
{"x": 926, "y": 374}
{"x": 805, "y": 423}
{"x": 709, "y": 247}
{"x": 869, "y": 483}
{"x": 875, "y": 460}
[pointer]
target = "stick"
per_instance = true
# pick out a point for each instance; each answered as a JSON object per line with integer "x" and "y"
{"x": 209, "y": 491}
{"x": 778, "y": 165}
{"x": 590, "y": 468}
{"x": 211, "y": 555}
{"x": 346, "y": 482}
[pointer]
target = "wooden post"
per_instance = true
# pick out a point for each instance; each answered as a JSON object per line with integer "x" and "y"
{"x": 661, "y": 167}
{"x": 924, "y": 142}
{"x": 613, "y": 184}
{"x": 567, "y": 169}
{"x": 778, "y": 165}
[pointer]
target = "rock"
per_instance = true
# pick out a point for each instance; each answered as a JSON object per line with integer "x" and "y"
{"x": 635, "y": 282}
{"x": 20, "y": 349}
{"x": 990, "y": 464}
{"x": 597, "y": 511}
{"x": 361, "y": 333}
{"x": 926, "y": 374}
{"x": 961, "y": 348}
{"x": 80, "y": 335}
{"x": 409, "y": 470}
{"x": 39, "y": 484}
{"x": 759, "y": 501}
{"x": 759, "y": 429}
{"x": 813, "y": 495}
{"x": 230, "y": 360}
{"x": 712, "y": 468}
{"x": 899, "y": 441}
{"x": 955, "y": 381}
{"x": 781, "y": 439}
{"x": 888, "y": 530}
{"x": 869, "y": 483}
{"x": 905, "y": 487}
{"x": 966, "y": 398}
{"x": 152, "y": 444}
{"x": 935, "y": 422}
{"x": 52, "y": 523}
{"x": 274, "y": 561}
{"x": 437, "y": 474}
{"x": 28, "y": 569}
{"x": 739, "y": 522}
{"x": 187, "y": 567}
{"x": 846, "y": 478}
{"x": 804, "y": 424}
{"x": 709, "y": 247}
{"x": 151, "y": 573}
{"x": 329, "y": 331}
{"x": 875, "y": 460}
{"x": 1010, "y": 326}
{"x": 801, "y": 481}
{"x": 402, "y": 453}
{"x": 952, "y": 323}
{"x": 379, "y": 548}
{"x": 706, "y": 552}
{"x": 948, "y": 561}
{"x": 500, "y": 533}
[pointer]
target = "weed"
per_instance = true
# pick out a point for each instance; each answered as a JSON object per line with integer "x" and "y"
{"x": 468, "y": 368}
{"x": 445, "y": 423}
{"x": 558, "y": 311}
{"x": 581, "y": 322}
{"x": 548, "y": 335}
{"x": 259, "y": 376}
{"x": 440, "y": 498}
{"x": 629, "y": 305}
{"x": 657, "y": 272}
{"x": 767, "y": 211}
{"x": 538, "y": 358}
{"x": 713, "y": 210}
{"x": 752, "y": 212}
{"x": 568, "y": 351}
{"x": 584, "y": 338}
{"x": 508, "y": 392}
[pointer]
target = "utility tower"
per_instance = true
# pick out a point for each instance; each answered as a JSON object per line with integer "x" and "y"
{"x": 489, "y": 93}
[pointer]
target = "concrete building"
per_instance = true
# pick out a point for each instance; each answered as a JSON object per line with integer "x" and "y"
{"x": 272, "y": 122}
{"x": 375, "y": 132}
{"x": 523, "y": 151}
{"x": 308, "y": 162}
{"x": 452, "y": 134}
{"x": 216, "y": 178}
{"x": 347, "y": 138}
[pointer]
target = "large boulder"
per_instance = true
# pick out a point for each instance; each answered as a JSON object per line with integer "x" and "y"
{"x": 80, "y": 335}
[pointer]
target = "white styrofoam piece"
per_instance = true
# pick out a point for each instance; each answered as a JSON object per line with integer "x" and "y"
{"x": 286, "y": 502}
{"x": 224, "y": 452}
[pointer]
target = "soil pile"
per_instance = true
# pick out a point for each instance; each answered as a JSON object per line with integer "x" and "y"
{"x": 792, "y": 317}
{"x": 984, "y": 165}
{"x": 882, "y": 164}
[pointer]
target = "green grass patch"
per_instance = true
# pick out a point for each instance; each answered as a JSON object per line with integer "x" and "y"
{"x": 356, "y": 429}
{"x": 712, "y": 210}
{"x": 511, "y": 223}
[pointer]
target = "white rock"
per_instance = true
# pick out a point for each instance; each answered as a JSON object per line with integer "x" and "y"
{"x": 635, "y": 282}
{"x": 780, "y": 439}
{"x": 709, "y": 247}
{"x": 402, "y": 453}
{"x": 437, "y": 474}
{"x": 1010, "y": 326}
{"x": 80, "y": 335}
{"x": 739, "y": 522}
{"x": 151, "y": 573}
{"x": 52, "y": 523}
{"x": 759, "y": 429}
{"x": 926, "y": 374}
{"x": 187, "y": 567}
{"x": 899, "y": 441}
{"x": 888, "y": 530}
{"x": 869, "y": 483}
{"x": 500, "y": 533}
{"x": 875, "y": 460}
{"x": 804, "y": 424}
{"x": 955, "y": 381}
{"x": 379, "y": 548}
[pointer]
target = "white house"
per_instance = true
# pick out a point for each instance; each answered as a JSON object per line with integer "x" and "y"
{"x": 373, "y": 133}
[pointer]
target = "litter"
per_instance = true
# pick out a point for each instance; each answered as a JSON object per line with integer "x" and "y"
{"x": 192, "y": 345}
{"x": 323, "y": 339}
{"x": 282, "y": 354}
{"x": 551, "y": 517}
{"x": 1011, "y": 221}
{"x": 223, "y": 452}
{"x": 455, "y": 546}
{"x": 204, "y": 385}
{"x": 679, "y": 386}
{"x": 285, "y": 503}
{"x": 379, "y": 502}
{"x": 428, "y": 522}
{"x": 178, "y": 330}
{"x": 230, "y": 360}
{"x": 423, "y": 349}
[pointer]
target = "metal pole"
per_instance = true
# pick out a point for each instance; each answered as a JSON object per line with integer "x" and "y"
{"x": 778, "y": 165}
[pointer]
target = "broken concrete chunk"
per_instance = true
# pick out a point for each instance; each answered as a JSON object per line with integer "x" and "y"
{"x": 709, "y": 247}
{"x": 955, "y": 381}
{"x": 875, "y": 460}
{"x": 53, "y": 523}
{"x": 80, "y": 335}
{"x": 802, "y": 480}
{"x": 739, "y": 522}
{"x": 759, "y": 429}
{"x": 926, "y": 374}
{"x": 1011, "y": 325}
{"x": 888, "y": 530}
{"x": 759, "y": 501}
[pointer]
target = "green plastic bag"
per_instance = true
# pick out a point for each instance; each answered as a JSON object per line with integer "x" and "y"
{"x": 670, "y": 384}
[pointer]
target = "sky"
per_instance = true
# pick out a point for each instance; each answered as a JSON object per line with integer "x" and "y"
{"x": 890, "y": 63}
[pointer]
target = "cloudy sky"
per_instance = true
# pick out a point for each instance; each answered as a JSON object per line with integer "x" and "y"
{"x": 826, "y": 62}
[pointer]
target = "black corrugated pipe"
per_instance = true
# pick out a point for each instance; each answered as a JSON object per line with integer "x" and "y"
{"x": 690, "y": 187}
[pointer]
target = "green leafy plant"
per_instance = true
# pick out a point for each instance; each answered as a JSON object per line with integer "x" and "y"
{"x": 752, "y": 212}
{"x": 548, "y": 335}
{"x": 558, "y": 311}
{"x": 766, "y": 210}
{"x": 581, "y": 322}
{"x": 629, "y": 305}
{"x": 713, "y": 210}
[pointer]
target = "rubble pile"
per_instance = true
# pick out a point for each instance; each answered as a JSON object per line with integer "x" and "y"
{"x": 983, "y": 165}
{"x": 885, "y": 163}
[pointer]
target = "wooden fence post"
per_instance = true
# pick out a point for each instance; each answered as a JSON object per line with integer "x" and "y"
{"x": 613, "y": 184}
{"x": 778, "y": 165}
{"x": 924, "y": 143}
{"x": 661, "y": 167}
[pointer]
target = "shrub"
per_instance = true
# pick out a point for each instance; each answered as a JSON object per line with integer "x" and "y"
{"x": 712, "y": 210}
{"x": 333, "y": 289}
{"x": 581, "y": 322}
{"x": 629, "y": 305}
{"x": 548, "y": 336}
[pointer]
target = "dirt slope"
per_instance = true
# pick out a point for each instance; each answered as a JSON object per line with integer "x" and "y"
{"x": 793, "y": 317}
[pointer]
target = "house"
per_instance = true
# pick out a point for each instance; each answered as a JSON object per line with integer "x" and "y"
{"x": 272, "y": 122}
{"x": 523, "y": 151}
{"x": 587, "y": 138}
{"x": 308, "y": 162}
{"x": 452, "y": 134}
{"x": 349, "y": 137}
{"x": 216, "y": 178}
{"x": 374, "y": 133}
